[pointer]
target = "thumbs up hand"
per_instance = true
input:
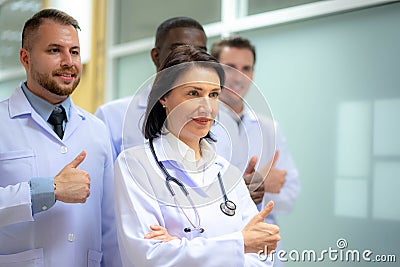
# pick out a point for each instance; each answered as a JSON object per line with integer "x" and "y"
{"x": 258, "y": 235}
{"x": 275, "y": 178}
{"x": 72, "y": 185}
{"x": 254, "y": 181}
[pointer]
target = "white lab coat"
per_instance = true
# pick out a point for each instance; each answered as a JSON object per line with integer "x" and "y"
{"x": 142, "y": 199}
{"x": 66, "y": 234}
{"x": 124, "y": 120}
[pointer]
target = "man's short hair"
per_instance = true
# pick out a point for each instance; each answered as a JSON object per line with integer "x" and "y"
{"x": 232, "y": 41}
{"x": 32, "y": 25}
{"x": 172, "y": 23}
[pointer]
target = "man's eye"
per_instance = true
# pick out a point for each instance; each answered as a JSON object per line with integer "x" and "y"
{"x": 54, "y": 50}
{"x": 76, "y": 53}
{"x": 247, "y": 69}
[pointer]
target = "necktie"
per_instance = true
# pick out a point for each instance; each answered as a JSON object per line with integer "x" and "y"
{"x": 56, "y": 119}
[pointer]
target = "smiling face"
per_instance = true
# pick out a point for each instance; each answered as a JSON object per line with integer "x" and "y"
{"x": 192, "y": 105}
{"x": 237, "y": 82}
{"x": 53, "y": 63}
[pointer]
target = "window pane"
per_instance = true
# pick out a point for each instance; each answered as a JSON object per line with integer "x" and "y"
{"x": 139, "y": 19}
{"x": 132, "y": 71}
{"x": 260, "y": 6}
{"x": 333, "y": 86}
{"x": 12, "y": 18}
{"x": 8, "y": 87}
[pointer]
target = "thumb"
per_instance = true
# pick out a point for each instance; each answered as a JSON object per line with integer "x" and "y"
{"x": 267, "y": 209}
{"x": 78, "y": 160}
{"x": 271, "y": 164}
{"x": 275, "y": 158}
{"x": 263, "y": 213}
{"x": 251, "y": 165}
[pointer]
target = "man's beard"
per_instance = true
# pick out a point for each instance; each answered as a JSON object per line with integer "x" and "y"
{"x": 46, "y": 81}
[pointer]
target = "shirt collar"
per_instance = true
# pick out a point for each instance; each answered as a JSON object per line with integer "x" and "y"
{"x": 249, "y": 114}
{"x": 246, "y": 114}
{"x": 41, "y": 106}
{"x": 176, "y": 150}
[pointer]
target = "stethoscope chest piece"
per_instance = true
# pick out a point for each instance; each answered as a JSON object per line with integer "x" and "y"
{"x": 228, "y": 207}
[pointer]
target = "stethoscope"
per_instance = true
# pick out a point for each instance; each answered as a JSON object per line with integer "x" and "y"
{"x": 227, "y": 207}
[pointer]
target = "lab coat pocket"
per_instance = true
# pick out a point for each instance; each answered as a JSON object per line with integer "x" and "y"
{"x": 29, "y": 258}
{"x": 94, "y": 258}
{"x": 17, "y": 166}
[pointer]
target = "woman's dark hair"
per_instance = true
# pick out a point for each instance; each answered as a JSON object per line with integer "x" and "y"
{"x": 180, "y": 60}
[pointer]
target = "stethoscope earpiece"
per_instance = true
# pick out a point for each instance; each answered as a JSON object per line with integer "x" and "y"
{"x": 188, "y": 230}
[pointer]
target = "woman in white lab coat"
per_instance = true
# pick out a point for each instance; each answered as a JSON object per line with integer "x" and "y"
{"x": 177, "y": 182}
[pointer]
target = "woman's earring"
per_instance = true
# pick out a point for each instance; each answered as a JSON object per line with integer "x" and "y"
{"x": 163, "y": 106}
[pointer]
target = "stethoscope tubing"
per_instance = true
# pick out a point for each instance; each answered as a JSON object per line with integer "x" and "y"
{"x": 227, "y": 207}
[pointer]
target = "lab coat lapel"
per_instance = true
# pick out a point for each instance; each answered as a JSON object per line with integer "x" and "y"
{"x": 20, "y": 106}
{"x": 76, "y": 117}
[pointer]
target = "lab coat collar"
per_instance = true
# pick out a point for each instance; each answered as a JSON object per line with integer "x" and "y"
{"x": 43, "y": 107}
{"x": 247, "y": 113}
{"x": 174, "y": 153}
{"x": 176, "y": 150}
{"x": 203, "y": 186}
{"x": 19, "y": 106}
{"x": 143, "y": 96}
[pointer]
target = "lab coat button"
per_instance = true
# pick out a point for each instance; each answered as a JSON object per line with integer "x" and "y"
{"x": 64, "y": 149}
{"x": 71, "y": 237}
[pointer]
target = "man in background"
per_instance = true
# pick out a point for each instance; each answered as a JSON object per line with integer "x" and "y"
{"x": 281, "y": 183}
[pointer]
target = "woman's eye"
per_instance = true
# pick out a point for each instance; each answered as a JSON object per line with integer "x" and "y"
{"x": 193, "y": 93}
{"x": 214, "y": 95}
